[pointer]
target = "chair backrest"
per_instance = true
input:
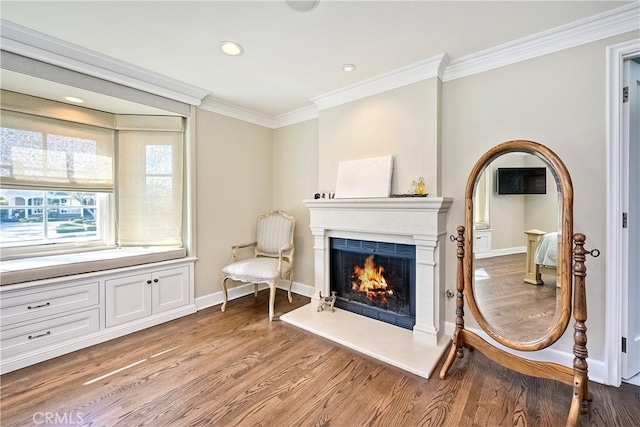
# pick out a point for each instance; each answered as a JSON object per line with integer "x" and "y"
{"x": 275, "y": 230}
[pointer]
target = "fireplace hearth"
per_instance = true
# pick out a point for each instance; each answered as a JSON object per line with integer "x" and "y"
{"x": 374, "y": 279}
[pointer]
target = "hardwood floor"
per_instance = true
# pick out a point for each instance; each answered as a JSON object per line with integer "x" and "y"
{"x": 237, "y": 369}
{"x": 519, "y": 310}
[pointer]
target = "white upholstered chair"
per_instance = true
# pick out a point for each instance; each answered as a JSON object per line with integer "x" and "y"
{"x": 272, "y": 259}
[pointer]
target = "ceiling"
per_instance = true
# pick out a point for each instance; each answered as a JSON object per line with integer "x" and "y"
{"x": 289, "y": 56}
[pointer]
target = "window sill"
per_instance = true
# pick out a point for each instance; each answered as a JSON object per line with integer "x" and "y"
{"x": 49, "y": 267}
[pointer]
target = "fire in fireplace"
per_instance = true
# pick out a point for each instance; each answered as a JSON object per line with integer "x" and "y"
{"x": 374, "y": 279}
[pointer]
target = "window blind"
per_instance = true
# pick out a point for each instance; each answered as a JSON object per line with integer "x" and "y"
{"x": 150, "y": 187}
{"x": 43, "y": 153}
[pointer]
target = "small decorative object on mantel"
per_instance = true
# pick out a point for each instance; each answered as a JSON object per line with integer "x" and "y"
{"x": 326, "y": 303}
{"x": 418, "y": 189}
{"x": 324, "y": 196}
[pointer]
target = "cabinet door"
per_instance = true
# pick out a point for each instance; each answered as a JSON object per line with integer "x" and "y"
{"x": 170, "y": 289}
{"x": 482, "y": 243}
{"x": 127, "y": 299}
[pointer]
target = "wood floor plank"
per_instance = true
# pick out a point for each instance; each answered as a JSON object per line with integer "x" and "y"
{"x": 238, "y": 369}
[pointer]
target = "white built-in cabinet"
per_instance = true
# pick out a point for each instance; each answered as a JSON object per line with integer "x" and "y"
{"x": 482, "y": 243}
{"x": 47, "y": 318}
{"x": 134, "y": 297}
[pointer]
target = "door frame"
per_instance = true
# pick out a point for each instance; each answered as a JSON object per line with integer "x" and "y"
{"x": 615, "y": 56}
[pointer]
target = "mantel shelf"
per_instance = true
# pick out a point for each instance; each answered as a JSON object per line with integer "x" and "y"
{"x": 420, "y": 203}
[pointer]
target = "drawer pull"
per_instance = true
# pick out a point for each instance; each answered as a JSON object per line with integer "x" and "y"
{"x": 155, "y": 280}
{"x": 148, "y": 282}
{"x": 39, "y": 306}
{"x": 32, "y": 337}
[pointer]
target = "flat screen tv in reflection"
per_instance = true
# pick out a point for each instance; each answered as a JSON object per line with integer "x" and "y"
{"x": 522, "y": 180}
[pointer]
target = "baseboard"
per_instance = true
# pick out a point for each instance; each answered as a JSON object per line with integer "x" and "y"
{"x": 509, "y": 251}
{"x": 597, "y": 368}
{"x": 633, "y": 380}
{"x": 216, "y": 298}
{"x": 54, "y": 350}
{"x": 502, "y": 252}
{"x": 301, "y": 289}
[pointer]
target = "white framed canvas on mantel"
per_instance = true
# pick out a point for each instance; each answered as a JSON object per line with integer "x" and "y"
{"x": 364, "y": 178}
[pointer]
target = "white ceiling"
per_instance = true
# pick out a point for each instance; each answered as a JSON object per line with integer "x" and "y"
{"x": 290, "y": 57}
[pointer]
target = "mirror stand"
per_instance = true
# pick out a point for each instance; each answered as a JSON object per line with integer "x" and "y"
{"x": 576, "y": 376}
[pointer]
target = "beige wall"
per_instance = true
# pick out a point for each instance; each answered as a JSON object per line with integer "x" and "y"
{"x": 295, "y": 178}
{"x": 511, "y": 215}
{"x": 559, "y": 101}
{"x": 234, "y": 169}
{"x": 506, "y": 213}
{"x": 402, "y": 122}
{"x": 541, "y": 210}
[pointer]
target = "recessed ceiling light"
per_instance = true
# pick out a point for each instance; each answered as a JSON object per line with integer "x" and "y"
{"x": 348, "y": 67}
{"x": 302, "y": 5}
{"x": 74, "y": 99}
{"x": 231, "y": 48}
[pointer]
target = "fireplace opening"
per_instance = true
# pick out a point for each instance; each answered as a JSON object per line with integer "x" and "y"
{"x": 374, "y": 279}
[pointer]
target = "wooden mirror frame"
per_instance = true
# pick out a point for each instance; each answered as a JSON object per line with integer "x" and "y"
{"x": 564, "y": 185}
{"x": 573, "y": 261}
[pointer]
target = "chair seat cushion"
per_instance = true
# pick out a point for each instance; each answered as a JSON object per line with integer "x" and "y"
{"x": 256, "y": 270}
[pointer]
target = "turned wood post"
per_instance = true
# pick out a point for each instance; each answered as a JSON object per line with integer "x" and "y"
{"x": 460, "y": 286}
{"x": 580, "y": 367}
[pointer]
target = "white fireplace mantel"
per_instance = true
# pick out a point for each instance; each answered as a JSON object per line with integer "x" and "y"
{"x": 419, "y": 221}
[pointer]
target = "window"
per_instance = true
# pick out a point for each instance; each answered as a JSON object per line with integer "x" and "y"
{"x": 481, "y": 202}
{"x": 58, "y": 184}
{"x": 62, "y": 217}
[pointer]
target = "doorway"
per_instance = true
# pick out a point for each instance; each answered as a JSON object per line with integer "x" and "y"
{"x": 622, "y": 291}
{"x": 630, "y": 361}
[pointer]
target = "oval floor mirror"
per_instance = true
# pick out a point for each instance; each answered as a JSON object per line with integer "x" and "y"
{"x": 519, "y": 195}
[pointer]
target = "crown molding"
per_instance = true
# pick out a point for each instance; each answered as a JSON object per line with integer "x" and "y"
{"x": 230, "y": 110}
{"x": 421, "y": 70}
{"x": 42, "y": 47}
{"x": 296, "y": 116}
{"x": 33, "y": 44}
{"x": 597, "y": 27}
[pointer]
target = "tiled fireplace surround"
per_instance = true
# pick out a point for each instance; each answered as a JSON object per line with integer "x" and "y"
{"x": 419, "y": 221}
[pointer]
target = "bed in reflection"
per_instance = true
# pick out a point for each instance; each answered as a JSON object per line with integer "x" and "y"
{"x": 542, "y": 256}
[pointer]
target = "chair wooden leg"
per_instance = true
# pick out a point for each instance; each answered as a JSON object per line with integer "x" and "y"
{"x": 255, "y": 291}
{"x": 224, "y": 294}
{"x": 290, "y": 284}
{"x": 272, "y": 298}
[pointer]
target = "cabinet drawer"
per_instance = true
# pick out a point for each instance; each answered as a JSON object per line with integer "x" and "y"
{"x": 30, "y": 304}
{"x": 29, "y": 336}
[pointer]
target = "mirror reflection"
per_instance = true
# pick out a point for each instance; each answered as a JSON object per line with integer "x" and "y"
{"x": 516, "y": 207}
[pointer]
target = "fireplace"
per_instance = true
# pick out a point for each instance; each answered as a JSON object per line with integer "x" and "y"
{"x": 374, "y": 279}
{"x": 415, "y": 227}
